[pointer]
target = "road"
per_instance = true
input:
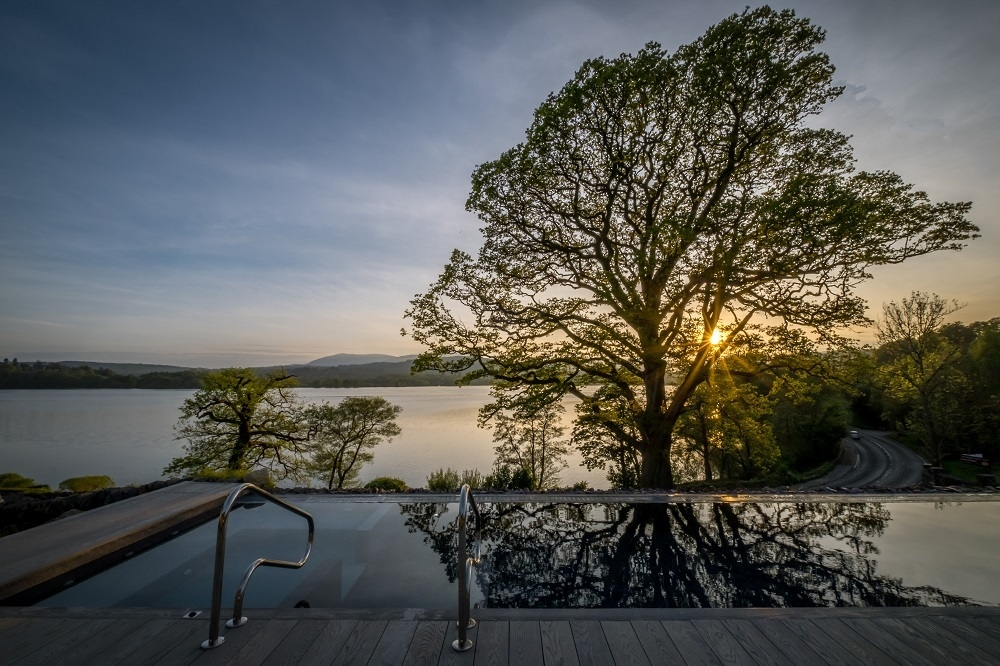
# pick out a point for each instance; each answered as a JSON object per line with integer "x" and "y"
{"x": 874, "y": 461}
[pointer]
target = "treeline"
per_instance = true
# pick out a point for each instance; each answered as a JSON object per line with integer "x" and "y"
{"x": 369, "y": 374}
{"x": 938, "y": 382}
{"x": 39, "y": 375}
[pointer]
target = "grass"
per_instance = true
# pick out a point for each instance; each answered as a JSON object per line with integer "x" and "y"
{"x": 965, "y": 471}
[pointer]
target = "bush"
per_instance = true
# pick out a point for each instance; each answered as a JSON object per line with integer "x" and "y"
{"x": 12, "y": 481}
{"x": 87, "y": 484}
{"x": 443, "y": 480}
{"x": 505, "y": 477}
{"x": 450, "y": 480}
{"x": 581, "y": 485}
{"x": 387, "y": 483}
{"x": 473, "y": 478}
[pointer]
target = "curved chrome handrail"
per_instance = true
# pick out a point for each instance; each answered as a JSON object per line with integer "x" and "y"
{"x": 465, "y": 564}
{"x": 214, "y": 640}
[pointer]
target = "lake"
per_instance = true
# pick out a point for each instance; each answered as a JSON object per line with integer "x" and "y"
{"x": 51, "y": 435}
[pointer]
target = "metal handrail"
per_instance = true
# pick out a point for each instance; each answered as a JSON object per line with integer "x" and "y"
{"x": 214, "y": 640}
{"x": 465, "y": 564}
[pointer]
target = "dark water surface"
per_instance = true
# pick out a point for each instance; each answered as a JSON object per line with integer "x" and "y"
{"x": 568, "y": 555}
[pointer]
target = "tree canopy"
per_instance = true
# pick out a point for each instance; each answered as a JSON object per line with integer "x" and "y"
{"x": 343, "y": 436}
{"x": 659, "y": 198}
{"x": 239, "y": 420}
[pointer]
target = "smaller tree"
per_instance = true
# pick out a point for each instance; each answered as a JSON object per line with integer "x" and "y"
{"x": 529, "y": 437}
{"x": 923, "y": 363}
{"x": 343, "y": 436}
{"x": 239, "y": 420}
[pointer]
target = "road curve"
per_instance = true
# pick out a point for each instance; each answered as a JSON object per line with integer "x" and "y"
{"x": 874, "y": 461}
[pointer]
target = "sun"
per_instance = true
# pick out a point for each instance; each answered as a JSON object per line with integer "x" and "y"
{"x": 716, "y": 337}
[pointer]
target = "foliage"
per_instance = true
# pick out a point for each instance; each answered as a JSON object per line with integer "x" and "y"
{"x": 921, "y": 364}
{"x": 342, "y": 437}
{"x": 528, "y": 436}
{"x": 450, "y": 480}
{"x": 387, "y": 484}
{"x": 39, "y": 375}
{"x": 87, "y": 484}
{"x": 239, "y": 420}
{"x": 656, "y": 199}
{"x": 508, "y": 477}
{"x": 12, "y": 481}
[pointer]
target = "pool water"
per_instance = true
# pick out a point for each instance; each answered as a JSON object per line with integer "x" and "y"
{"x": 579, "y": 555}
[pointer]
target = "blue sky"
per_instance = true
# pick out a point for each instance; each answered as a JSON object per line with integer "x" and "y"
{"x": 249, "y": 182}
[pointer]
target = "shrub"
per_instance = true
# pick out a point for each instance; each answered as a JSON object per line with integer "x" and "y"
{"x": 450, "y": 480}
{"x": 15, "y": 482}
{"x": 506, "y": 477}
{"x": 86, "y": 484}
{"x": 581, "y": 485}
{"x": 473, "y": 478}
{"x": 443, "y": 480}
{"x": 387, "y": 483}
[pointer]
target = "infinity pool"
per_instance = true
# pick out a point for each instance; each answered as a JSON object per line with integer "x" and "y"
{"x": 580, "y": 555}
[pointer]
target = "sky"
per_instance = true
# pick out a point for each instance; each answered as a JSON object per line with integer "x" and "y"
{"x": 256, "y": 183}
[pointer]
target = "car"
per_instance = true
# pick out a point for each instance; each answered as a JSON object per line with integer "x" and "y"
{"x": 855, "y": 434}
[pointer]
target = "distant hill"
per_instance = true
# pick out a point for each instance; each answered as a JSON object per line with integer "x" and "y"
{"x": 358, "y": 359}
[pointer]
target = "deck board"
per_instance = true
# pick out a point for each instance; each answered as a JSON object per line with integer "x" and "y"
{"x": 425, "y": 648}
{"x": 591, "y": 645}
{"x": 393, "y": 643}
{"x": 970, "y": 652}
{"x": 32, "y": 637}
{"x": 525, "y": 638}
{"x": 557, "y": 643}
{"x": 912, "y": 636}
{"x": 526, "y": 643}
{"x": 360, "y": 645}
{"x": 787, "y": 642}
{"x": 655, "y": 641}
{"x": 624, "y": 643}
{"x": 896, "y": 646}
{"x": 757, "y": 645}
{"x": 295, "y": 643}
{"x": 723, "y": 643}
{"x": 494, "y": 643}
{"x": 691, "y": 644}
{"x": 329, "y": 642}
{"x": 856, "y": 644}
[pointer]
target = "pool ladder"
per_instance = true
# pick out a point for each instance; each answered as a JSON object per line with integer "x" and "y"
{"x": 465, "y": 564}
{"x": 214, "y": 639}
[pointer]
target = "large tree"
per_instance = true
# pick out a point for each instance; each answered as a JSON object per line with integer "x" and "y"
{"x": 659, "y": 198}
{"x": 239, "y": 420}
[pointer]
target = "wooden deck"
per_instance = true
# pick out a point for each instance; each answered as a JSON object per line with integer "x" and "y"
{"x": 40, "y": 560}
{"x": 689, "y": 637}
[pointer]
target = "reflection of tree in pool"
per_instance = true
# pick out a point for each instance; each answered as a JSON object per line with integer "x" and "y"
{"x": 676, "y": 555}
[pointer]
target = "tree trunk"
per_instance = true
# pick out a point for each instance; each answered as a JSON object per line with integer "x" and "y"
{"x": 657, "y": 429}
{"x": 656, "y": 471}
{"x": 238, "y": 455}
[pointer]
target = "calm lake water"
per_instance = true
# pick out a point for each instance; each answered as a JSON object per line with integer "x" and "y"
{"x": 128, "y": 434}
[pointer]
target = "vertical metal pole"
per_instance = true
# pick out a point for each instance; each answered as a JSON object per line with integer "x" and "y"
{"x": 463, "y": 588}
{"x": 214, "y": 640}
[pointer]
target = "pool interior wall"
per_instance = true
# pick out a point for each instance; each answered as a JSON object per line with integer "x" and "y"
{"x": 377, "y": 555}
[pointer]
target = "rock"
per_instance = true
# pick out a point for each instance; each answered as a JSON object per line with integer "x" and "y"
{"x": 258, "y": 477}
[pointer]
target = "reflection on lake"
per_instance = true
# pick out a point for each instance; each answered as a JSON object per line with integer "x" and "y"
{"x": 52, "y": 435}
{"x": 720, "y": 555}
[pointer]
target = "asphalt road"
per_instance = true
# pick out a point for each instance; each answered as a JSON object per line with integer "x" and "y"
{"x": 874, "y": 461}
